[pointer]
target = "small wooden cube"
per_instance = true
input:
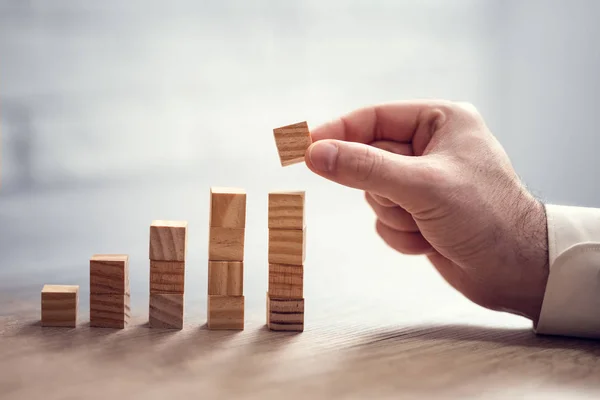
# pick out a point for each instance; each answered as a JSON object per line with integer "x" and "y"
{"x": 167, "y": 276}
{"x": 109, "y": 273}
{"x": 292, "y": 141}
{"x": 285, "y": 314}
{"x": 226, "y": 278}
{"x": 60, "y": 305}
{"x": 226, "y": 312}
{"x": 109, "y": 310}
{"x": 286, "y": 281}
{"x": 166, "y": 310}
{"x": 287, "y": 246}
{"x": 168, "y": 240}
{"x": 286, "y": 210}
{"x": 227, "y": 207}
{"x": 226, "y": 244}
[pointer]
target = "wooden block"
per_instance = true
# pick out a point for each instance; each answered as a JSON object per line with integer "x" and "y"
{"x": 286, "y": 210}
{"x": 292, "y": 141}
{"x": 167, "y": 276}
{"x": 226, "y": 312}
{"x": 168, "y": 240}
{"x": 227, "y": 207}
{"x": 287, "y": 246}
{"x": 226, "y": 278}
{"x": 286, "y": 281}
{"x": 109, "y": 273}
{"x": 60, "y": 305}
{"x": 109, "y": 310}
{"x": 226, "y": 244}
{"x": 285, "y": 314}
{"x": 166, "y": 310}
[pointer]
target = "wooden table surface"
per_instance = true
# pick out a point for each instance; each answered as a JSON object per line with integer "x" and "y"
{"x": 378, "y": 325}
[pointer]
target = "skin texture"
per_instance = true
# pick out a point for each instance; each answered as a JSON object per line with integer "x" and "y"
{"x": 442, "y": 186}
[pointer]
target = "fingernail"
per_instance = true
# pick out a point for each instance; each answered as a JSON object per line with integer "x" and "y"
{"x": 323, "y": 156}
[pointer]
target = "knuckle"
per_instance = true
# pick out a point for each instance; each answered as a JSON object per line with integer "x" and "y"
{"x": 367, "y": 164}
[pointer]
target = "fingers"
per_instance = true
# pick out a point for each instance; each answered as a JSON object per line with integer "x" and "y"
{"x": 411, "y": 243}
{"x": 404, "y": 149}
{"x": 383, "y": 201}
{"x": 394, "y": 217}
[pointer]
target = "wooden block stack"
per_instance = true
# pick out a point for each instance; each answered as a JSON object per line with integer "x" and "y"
{"x": 168, "y": 251}
{"x": 287, "y": 248}
{"x": 109, "y": 291}
{"x": 225, "y": 305}
{"x": 292, "y": 141}
{"x": 60, "y": 305}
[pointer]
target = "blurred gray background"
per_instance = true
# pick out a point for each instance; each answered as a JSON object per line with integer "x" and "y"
{"x": 115, "y": 113}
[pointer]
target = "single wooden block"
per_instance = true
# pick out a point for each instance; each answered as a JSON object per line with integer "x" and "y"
{"x": 166, "y": 310}
{"x": 109, "y": 273}
{"x": 286, "y": 281}
{"x": 226, "y": 244}
{"x": 109, "y": 310}
{"x": 226, "y": 278}
{"x": 285, "y": 314}
{"x": 168, "y": 240}
{"x": 227, "y": 207}
{"x": 292, "y": 141}
{"x": 60, "y": 305}
{"x": 287, "y": 246}
{"x": 286, "y": 210}
{"x": 167, "y": 276}
{"x": 226, "y": 312}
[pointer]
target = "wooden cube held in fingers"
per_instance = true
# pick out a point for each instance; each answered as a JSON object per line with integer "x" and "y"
{"x": 226, "y": 244}
{"x": 286, "y": 210}
{"x": 109, "y": 310}
{"x": 167, "y": 276}
{"x": 225, "y": 312}
{"x": 292, "y": 141}
{"x": 285, "y": 314}
{"x": 287, "y": 246}
{"x": 166, "y": 310}
{"x": 226, "y": 278}
{"x": 227, "y": 207}
{"x": 109, "y": 273}
{"x": 286, "y": 281}
{"x": 168, "y": 240}
{"x": 60, "y": 305}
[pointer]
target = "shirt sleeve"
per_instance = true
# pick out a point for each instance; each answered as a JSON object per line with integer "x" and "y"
{"x": 571, "y": 305}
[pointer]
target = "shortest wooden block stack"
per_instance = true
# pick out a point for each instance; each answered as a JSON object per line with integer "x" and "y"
{"x": 109, "y": 291}
{"x": 60, "y": 305}
{"x": 292, "y": 141}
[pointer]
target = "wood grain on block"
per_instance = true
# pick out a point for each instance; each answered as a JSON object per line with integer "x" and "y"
{"x": 292, "y": 141}
{"x": 109, "y": 273}
{"x": 166, "y": 310}
{"x": 109, "y": 310}
{"x": 60, "y": 305}
{"x": 226, "y": 278}
{"x": 286, "y": 210}
{"x": 285, "y": 314}
{"x": 226, "y": 244}
{"x": 167, "y": 276}
{"x": 286, "y": 281}
{"x": 287, "y": 246}
{"x": 225, "y": 312}
{"x": 168, "y": 240}
{"x": 227, "y": 207}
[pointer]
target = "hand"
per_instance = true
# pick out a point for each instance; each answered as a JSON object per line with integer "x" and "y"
{"x": 441, "y": 185}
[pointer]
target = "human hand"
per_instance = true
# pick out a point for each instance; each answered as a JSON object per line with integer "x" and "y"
{"x": 441, "y": 185}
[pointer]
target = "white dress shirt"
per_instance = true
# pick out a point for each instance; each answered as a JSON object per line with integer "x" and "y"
{"x": 571, "y": 305}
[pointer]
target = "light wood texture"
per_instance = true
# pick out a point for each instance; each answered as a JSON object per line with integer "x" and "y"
{"x": 226, "y": 244}
{"x": 109, "y": 273}
{"x": 167, "y": 276}
{"x": 286, "y": 210}
{"x": 109, "y": 310}
{"x": 287, "y": 246}
{"x": 59, "y": 305}
{"x": 225, "y": 312}
{"x": 226, "y": 278}
{"x": 292, "y": 141}
{"x": 168, "y": 240}
{"x": 285, "y": 314}
{"x": 227, "y": 207}
{"x": 286, "y": 281}
{"x": 166, "y": 310}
